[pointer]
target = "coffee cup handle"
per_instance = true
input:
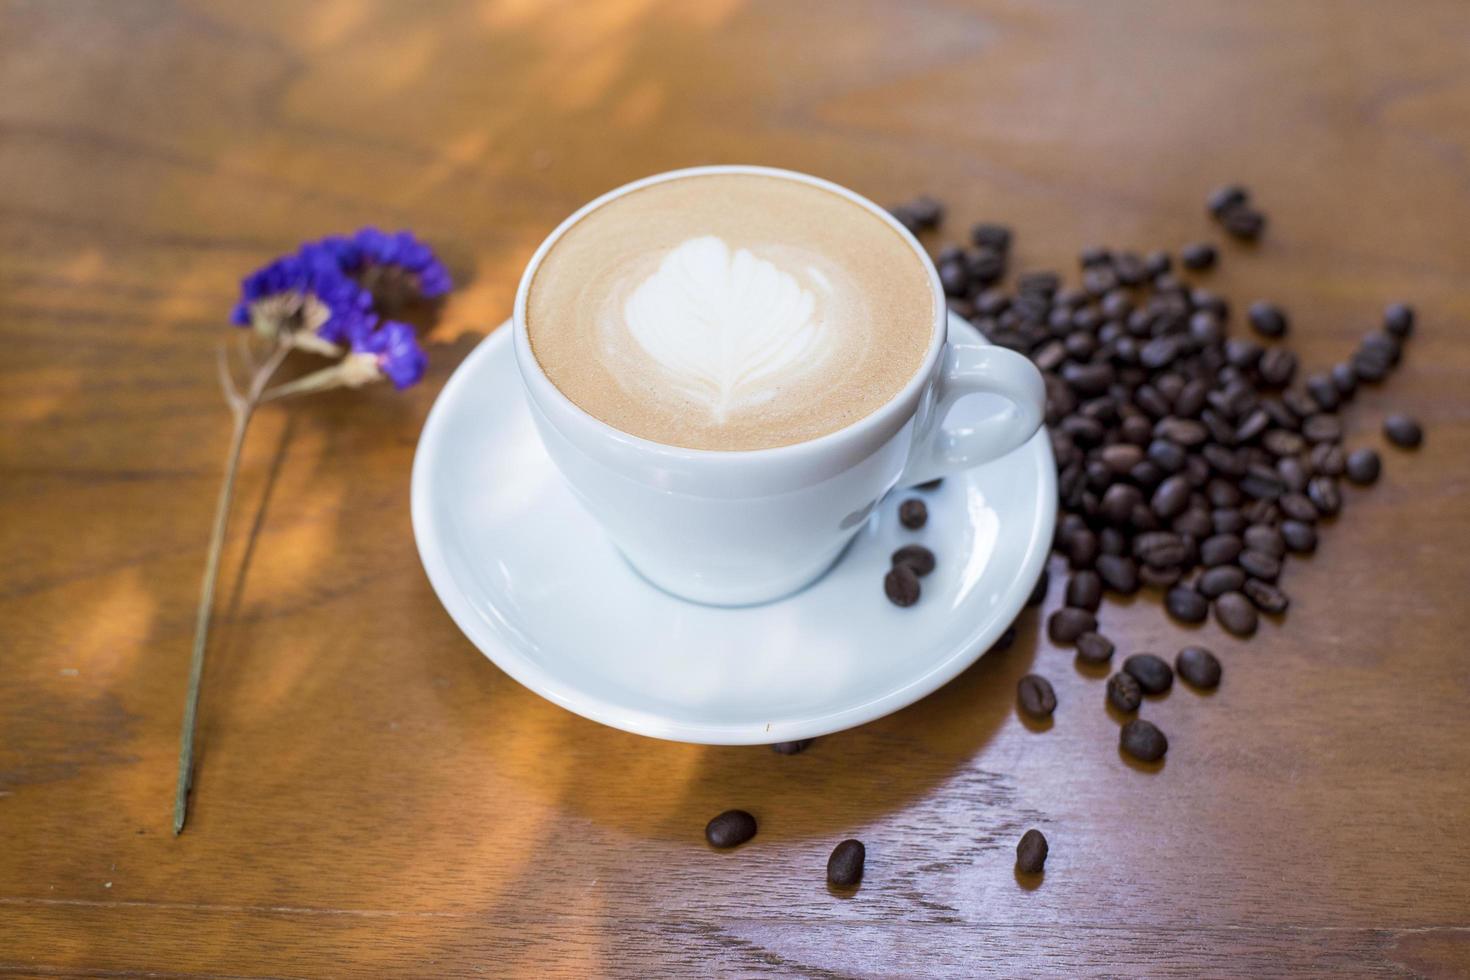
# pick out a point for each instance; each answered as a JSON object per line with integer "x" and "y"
{"x": 939, "y": 450}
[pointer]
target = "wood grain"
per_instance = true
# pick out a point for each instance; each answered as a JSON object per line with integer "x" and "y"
{"x": 375, "y": 799}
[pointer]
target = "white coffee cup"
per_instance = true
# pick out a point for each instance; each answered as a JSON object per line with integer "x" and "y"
{"x": 749, "y": 526}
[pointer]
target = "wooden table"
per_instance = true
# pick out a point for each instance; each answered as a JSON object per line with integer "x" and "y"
{"x": 374, "y": 798}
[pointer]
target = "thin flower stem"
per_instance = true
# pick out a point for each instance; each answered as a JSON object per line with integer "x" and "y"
{"x": 242, "y": 408}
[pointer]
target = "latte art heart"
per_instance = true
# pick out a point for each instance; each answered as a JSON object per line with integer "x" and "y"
{"x": 727, "y": 327}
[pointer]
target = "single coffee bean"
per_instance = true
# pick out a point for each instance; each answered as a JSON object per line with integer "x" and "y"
{"x": 1118, "y": 573}
{"x": 1031, "y": 852}
{"x": 845, "y": 866}
{"x": 1300, "y": 537}
{"x": 1403, "y": 431}
{"x": 730, "y": 829}
{"x": 1363, "y": 466}
{"x": 1264, "y": 539}
{"x": 1384, "y": 345}
{"x": 1172, "y": 496}
{"x": 1084, "y": 590}
{"x": 1082, "y": 548}
{"x": 1267, "y": 319}
{"x": 1160, "y": 549}
{"x": 917, "y": 557}
{"x": 792, "y": 748}
{"x": 1094, "y": 648}
{"x": 1236, "y": 614}
{"x": 1297, "y": 507}
{"x": 1186, "y": 605}
{"x": 1262, "y": 482}
{"x": 1244, "y": 223}
{"x": 1152, "y": 672}
{"x": 901, "y": 585}
{"x": 1283, "y": 442}
{"x": 1185, "y": 432}
{"x": 1038, "y": 594}
{"x": 1220, "y": 580}
{"x": 1219, "y": 549}
{"x": 1325, "y": 495}
{"x": 1167, "y": 456}
{"x": 1324, "y": 392}
{"x": 1322, "y": 428}
{"x": 1262, "y": 512}
{"x": 1259, "y": 564}
{"x": 992, "y": 236}
{"x": 1143, "y": 740}
{"x": 1121, "y": 457}
{"x": 1224, "y": 198}
{"x": 1267, "y": 597}
{"x": 1398, "y": 319}
{"x": 1253, "y": 425}
{"x": 1198, "y": 666}
{"x": 1345, "y": 379}
{"x": 1194, "y": 523}
{"x": 1067, "y": 623}
{"x": 1228, "y": 520}
{"x": 1160, "y": 578}
{"x": 1199, "y": 256}
{"x": 912, "y": 513}
{"x": 1035, "y": 696}
{"x": 1326, "y": 459}
{"x": 1370, "y": 366}
{"x": 1118, "y": 502}
{"x": 1111, "y": 541}
{"x": 1299, "y": 402}
{"x": 1124, "y": 692}
{"x": 1293, "y": 474}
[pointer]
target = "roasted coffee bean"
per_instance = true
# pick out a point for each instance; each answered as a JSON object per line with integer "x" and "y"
{"x": 1224, "y": 198}
{"x": 1324, "y": 392}
{"x": 1297, "y": 507}
{"x": 1219, "y": 549}
{"x": 1259, "y": 537}
{"x": 901, "y": 585}
{"x": 987, "y": 266}
{"x": 845, "y": 866}
{"x": 1038, "y": 594}
{"x": 1198, "y": 666}
{"x": 1252, "y": 425}
{"x": 1222, "y": 494}
{"x": 1344, "y": 379}
{"x": 1363, "y": 466}
{"x": 991, "y": 236}
{"x": 1152, "y": 672}
{"x": 1067, "y": 623}
{"x": 1299, "y": 402}
{"x": 1370, "y": 366}
{"x": 1326, "y": 459}
{"x": 1118, "y": 502}
{"x": 1244, "y": 223}
{"x": 1084, "y": 590}
{"x": 1322, "y": 428}
{"x": 1186, "y": 604}
{"x": 917, "y": 557}
{"x": 1282, "y": 416}
{"x": 1383, "y": 345}
{"x": 1300, "y": 537}
{"x": 1220, "y": 580}
{"x": 1155, "y": 264}
{"x": 1137, "y": 430}
{"x": 1262, "y": 512}
{"x": 955, "y": 279}
{"x": 1267, "y": 597}
{"x": 1267, "y": 319}
{"x": 1293, "y": 474}
{"x": 1124, "y": 693}
{"x": 1186, "y": 432}
{"x": 1120, "y": 457}
{"x": 912, "y": 513}
{"x": 1282, "y": 442}
{"x": 1236, "y": 614}
{"x": 1241, "y": 353}
{"x": 730, "y": 829}
{"x": 1160, "y": 549}
{"x": 792, "y": 748}
{"x": 1031, "y": 852}
{"x": 1258, "y": 564}
{"x": 1398, "y": 319}
{"x": 1228, "y": 520}
{"x": 1262, "y": 482}
{"x": 1118, "y": 573}
{"x": 1403, "y": 431}
{"x": 1111, "y": 541}
{"x": 1166, "y": 455}
{"x": 1170, "y": 499}
{"x": 1277, "y": 367}
{"x": 1160, "y": 578}
{"x": 1082, "y": 549}
{"x": 1143, "y": 740}
{"x": 1094, "y": 648}
{"x": 1195, "y": 523}
{"x": 1325, "y": 495}
{"x": 1199, "y": 256}
{"x": 1035, "y": 697}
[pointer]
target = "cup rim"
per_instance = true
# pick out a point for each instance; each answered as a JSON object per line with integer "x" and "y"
{"x": 542, "y": 387}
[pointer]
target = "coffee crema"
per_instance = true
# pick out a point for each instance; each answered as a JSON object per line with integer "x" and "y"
{"x": 730, "y": 311}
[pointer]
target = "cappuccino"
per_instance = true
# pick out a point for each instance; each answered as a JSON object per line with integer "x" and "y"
{"x": 730, "y": 311}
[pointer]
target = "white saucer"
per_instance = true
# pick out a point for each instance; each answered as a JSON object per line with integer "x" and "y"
{"x": 533, "y": 582}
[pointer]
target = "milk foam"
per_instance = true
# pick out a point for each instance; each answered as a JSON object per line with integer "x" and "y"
{"x": 727, "y": 328}
{"x": 730, "y": 312}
